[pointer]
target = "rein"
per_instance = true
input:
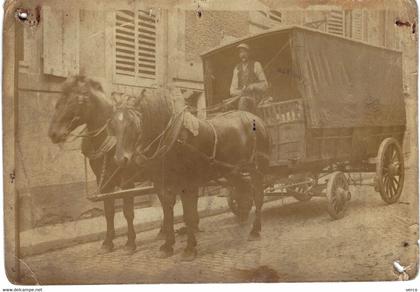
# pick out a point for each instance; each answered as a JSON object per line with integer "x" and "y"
{"x": 161, "y": 149}
{"x": 91, "y": 134}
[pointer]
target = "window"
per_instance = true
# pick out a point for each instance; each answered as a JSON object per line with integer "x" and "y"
{"x": 135, "y": 46}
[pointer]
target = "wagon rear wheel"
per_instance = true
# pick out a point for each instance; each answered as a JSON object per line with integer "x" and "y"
{"x": 337, "y": 194}
{"x": 390, "y": 170}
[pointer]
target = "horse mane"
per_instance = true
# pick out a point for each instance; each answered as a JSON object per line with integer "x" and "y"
{"x": 156, "y": 110}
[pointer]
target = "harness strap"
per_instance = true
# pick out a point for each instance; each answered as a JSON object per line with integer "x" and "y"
{"x": 213, "y": 156}
{"x": 104, "y": 148}
{"x": 93, "y": 133}
{"x": 162, "y": 147}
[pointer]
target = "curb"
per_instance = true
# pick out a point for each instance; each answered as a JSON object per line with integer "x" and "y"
{"x": 48, "y": 238}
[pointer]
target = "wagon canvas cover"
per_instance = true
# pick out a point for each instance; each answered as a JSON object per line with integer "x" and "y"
{"x": 128, "y": 160}
{"x": 347, "y": 83}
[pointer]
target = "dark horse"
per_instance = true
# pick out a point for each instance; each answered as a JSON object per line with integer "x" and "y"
{"x": 181, "y": 153}
{"x": 84, "y": 102}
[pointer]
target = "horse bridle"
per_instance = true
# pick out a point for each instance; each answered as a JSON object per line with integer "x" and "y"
{"x": 81, "y": 101}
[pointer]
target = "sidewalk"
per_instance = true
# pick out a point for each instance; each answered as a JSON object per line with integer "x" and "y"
{"x": 47, "y": 238}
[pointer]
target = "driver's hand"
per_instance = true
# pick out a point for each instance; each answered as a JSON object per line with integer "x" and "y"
{"x": 250, "y": 88}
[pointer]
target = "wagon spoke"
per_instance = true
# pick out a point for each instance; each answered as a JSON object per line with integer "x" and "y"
{"x": 394, "y": 154}
{"x": 392, "y": 188}
{"x": 385, "y": 179}
{"x": 387, "y": 191}
{"x": 395, "y": 181}
{"x": 386, "y": 186}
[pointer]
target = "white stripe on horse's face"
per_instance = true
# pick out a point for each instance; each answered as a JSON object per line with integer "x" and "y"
{"x": 120, "y": 116}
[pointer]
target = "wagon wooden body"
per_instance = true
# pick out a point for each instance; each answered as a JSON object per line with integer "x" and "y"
{"x": 334, "y": 106}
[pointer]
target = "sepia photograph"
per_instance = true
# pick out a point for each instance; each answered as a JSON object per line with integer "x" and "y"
{"x": 210, "y": 141}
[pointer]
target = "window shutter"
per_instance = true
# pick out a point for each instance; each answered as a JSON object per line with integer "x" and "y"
{"x": 125, "y": 43}
{"x": 335, "y": 22}
{"x": 357, "y": 24}
{"x": 146, "y": 44}
{"x": 269, "y": 18}
{"x": 274, "y": 16}
{"x": 135, "y": 46}
{"x": 60, "y": 42}
{"x": 53, "y": 41}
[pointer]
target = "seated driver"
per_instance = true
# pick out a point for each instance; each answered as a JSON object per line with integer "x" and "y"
{"x": 248, "y": 82}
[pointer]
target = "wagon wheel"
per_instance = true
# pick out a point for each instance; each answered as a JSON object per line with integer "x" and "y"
{"x": 337, "y": 194}
{"x": 301, "y": 192}
{"x": 390, "y": 170}
{"x": 235, "y": 205}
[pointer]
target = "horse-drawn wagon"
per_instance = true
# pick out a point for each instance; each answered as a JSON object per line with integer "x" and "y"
{"x": 333, "y": 106}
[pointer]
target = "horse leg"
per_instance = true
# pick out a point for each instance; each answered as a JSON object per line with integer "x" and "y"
{"x": 195, "y": 219}
{"x": 128, "y": 210}
{"x": 189, "y": 204}
{"x": 109, "y": 209}
{"x": 168, "y": 202}
{"x": 258, "y": 193}
{"x": 161, "y": 233}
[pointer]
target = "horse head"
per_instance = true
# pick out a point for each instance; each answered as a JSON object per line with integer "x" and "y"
{"x": 83, "y": 101}
{"x": 126, "y": 126}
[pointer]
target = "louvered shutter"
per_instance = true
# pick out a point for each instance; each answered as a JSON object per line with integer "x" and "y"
{"x": 146, "y": 57}
{"x": 125, "y": 43}
{"x": 274, "y": 16}
{"x": 135, "y": 45}
{"x": 335, "y": 22}
{"x": 357, "y": 24}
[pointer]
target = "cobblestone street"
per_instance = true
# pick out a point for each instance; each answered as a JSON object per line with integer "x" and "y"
{"x": 300, "y": 242}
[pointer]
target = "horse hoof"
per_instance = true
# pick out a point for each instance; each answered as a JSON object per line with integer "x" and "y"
{"x": 160, "y": 235}
{"x": 165, "y": 253}
{"x": 254, "y": 236}
{"x": 130, "y": 248}
{"x": 188, "y": 255}
{"x": 106, "y": 248}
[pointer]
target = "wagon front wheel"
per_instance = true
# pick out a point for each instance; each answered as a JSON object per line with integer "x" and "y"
{"x": 338, "y": 194}
{"x": 239, "y": 204}
{"x": 233, "y": 205}
{"x": 390, "y": 170}
{"x": 302, "y": 192}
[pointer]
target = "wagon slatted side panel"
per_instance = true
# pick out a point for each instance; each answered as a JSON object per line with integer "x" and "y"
{"x": 286, "y": 124}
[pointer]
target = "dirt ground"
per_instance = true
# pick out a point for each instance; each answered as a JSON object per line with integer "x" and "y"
{"x": 300, "y": 242}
